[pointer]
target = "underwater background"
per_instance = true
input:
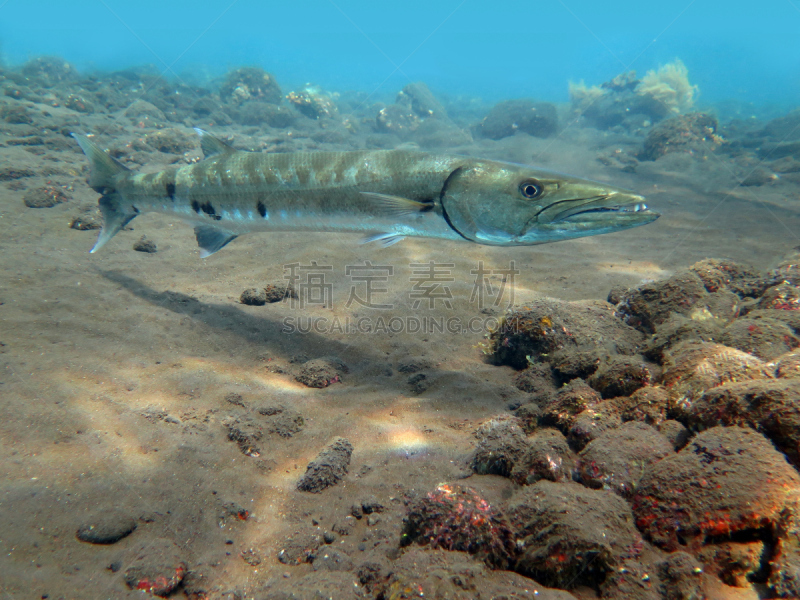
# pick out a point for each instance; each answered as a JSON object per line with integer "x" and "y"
{"x": 740, "y": 51}
{"x": 304, "y": 416}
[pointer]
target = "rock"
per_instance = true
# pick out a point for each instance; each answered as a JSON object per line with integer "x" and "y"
{"x": 321, "y": 372}
{"x": 87, "y": 220}
{"x": 571, "y": 400}
{"x": 763, "y": 337}
{"x": 106, "y": 527}
{"x": 253, "y": 297}
{"x": 257, "y": 112}
{"x": 281, "y": 421}
{"x": 783, "y": 296}
{"x": 421, "y": 572}
{"x": 142, "y": 110}
{"x": 621, "y": 377}
{"x": 675, "y": 432}
{"x": 313, "y": 102}
{"x": 718, "y": 274}
{"x": 568, "y": 365}
{"x": 332, "y": 560}
{"x": 145, "y": 245}
{"x": 571, "y": 535}
{"x": 278, "y": 291}
{"x": 417, "y": 98}
{"x": 9, "y": 173}
{"x": 593, "y": 422}
{"x": 79, "y": 104}
{"x": 45, "y": 197}
{"x": 681, "y": 577}
{"x": 547, "y": 456}
{"x": 617, "y": 460}
{"x": 769, "y": 406}
{"x": 250, "y": 83}
{"x": 678, "y": 328}
{"x": 528, "y": 415}
{"x": 453, "y": 517}
{"x": 247, "y": 432}
{"x": 758, "y": 177}
{"x": 692, "y": 368}
{"x": 300, "y": 548}
{"x": 735, "y": 563}
{"x": 536, "y": 379}
{"x": 649, "y": 305}
{"x": 49, "y": 70}
{"x": 538, "y": 119}
{"x": 648, "y": 405}
{"x": 501, "y": 442}
{"x": 16, "y": 115}
{"x": 157, "y": 568}
{"x": 396, "y": 119}
{"x": 328, "y": 468}
{"x": 533, "y": 333}
{"x": 726, "y": 480}
{"x": 171, "y": 141}
{"x": 694, "y": 132}
{"x": 787, "y": 365}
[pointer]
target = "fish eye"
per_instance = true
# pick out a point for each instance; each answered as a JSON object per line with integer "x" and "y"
{"x": 530, "y": 188}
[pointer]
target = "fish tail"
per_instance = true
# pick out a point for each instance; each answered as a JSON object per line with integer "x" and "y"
{"x": 103, "y": 175}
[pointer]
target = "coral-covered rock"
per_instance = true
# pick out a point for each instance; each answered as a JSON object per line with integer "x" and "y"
{"x": 651, "y": 304}
{"x": 328, "y": 468}
{"x": 683, "y": 133}
{"x": 570, "y": 401}
{"x": 428, "y": 573}
{"x": 618, "y": 459}
{"x": 547, "y": 456}
{"x": 501, "y": 443}
{"x": 771, "y": 407}
{"x": 157, "y": 568}
{"x": 570, "y": 364}
{"x": 250, "y": 83}
{"x": 572, "y": 535}
{"x": 764, "y": 337}
{"x": 719, "y": 274}
{"x": 734, "y": 562}
{"x": 453, "y": 517}
{"x": 529, "y": 415}
{"x": 677, "y": 329}
{"x": 692, "y": 368}
{"x": 594, "y": 422}
{"x": 544, "y": 326}
{"x": 726, "y": 480}
{"x": 621, "y": 377}
{"x": 538, "y": 119}
{"x": 536, "y": 379}
{"x": 648, "y": 405}
{"x": 787, "y": 365}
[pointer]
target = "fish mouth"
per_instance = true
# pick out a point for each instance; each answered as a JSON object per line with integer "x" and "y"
{"x": 624, "y": 209}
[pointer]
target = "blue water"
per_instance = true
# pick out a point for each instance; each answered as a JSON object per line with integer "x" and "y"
{"x": 740, "y": 50}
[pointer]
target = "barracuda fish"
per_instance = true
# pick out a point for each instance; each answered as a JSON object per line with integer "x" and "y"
{"x": 386, "y": 194}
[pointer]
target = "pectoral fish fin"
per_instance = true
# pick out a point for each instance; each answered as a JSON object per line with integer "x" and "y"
{"x": 395, "y": 205}
{"x": 210, "y": 239}
{"x": 384, "y": 239}
{"x": 211, "y": 146}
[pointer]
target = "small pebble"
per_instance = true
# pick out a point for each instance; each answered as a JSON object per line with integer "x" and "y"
{"x": 106, "y": 528}
{"x": 145, "y": 245}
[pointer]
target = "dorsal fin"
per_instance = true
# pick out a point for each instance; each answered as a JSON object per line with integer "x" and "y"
{"x": 211, "y": 146}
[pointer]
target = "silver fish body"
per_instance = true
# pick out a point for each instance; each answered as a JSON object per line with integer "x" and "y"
{"x": 389, "y": 194}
